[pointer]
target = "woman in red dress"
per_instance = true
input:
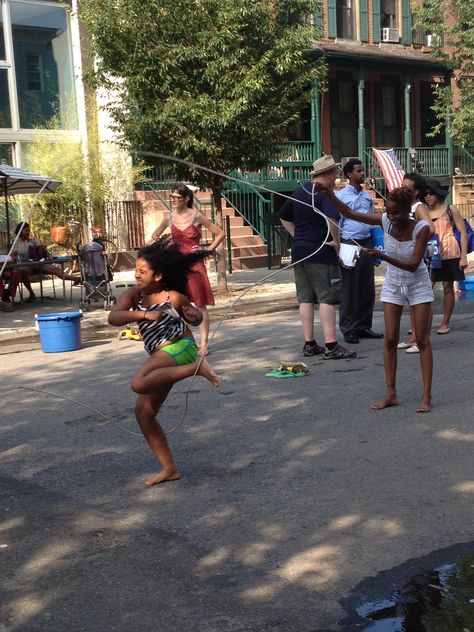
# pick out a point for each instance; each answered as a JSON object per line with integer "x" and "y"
{"x": 186, "y": 223}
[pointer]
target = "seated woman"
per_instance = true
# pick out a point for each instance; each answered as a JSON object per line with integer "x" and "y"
{"x": 28, "y": 248}
{"x": 8, "y": 283}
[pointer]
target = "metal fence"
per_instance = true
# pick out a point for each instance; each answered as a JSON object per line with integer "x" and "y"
{"x": 3, "y": 240}
{"x": 124, "y": 224}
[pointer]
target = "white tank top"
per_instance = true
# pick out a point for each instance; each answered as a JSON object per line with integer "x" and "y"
{"x": 403, "y": 250}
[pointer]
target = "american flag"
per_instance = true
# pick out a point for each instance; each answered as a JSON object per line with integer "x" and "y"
{"x": 391, "y": 168}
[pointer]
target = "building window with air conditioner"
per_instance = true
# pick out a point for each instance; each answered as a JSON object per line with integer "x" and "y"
{"x": 389, "y": 21}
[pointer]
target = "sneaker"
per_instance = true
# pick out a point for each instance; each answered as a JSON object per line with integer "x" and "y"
{"x": 312, "y": 350}
{"x": 339, "y": 353}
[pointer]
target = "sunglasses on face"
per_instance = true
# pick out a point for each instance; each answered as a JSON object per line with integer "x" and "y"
{"x": 176, "y": 197}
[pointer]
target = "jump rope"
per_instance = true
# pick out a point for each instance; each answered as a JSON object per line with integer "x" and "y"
{"x": 194, "y": 166}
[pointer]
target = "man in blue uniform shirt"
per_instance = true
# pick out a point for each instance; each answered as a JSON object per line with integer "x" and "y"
{"x": 358, "y": 285}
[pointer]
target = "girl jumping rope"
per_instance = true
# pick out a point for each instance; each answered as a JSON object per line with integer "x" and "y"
{"x": 158, "y": 305}
{"x": 407, "y": 279}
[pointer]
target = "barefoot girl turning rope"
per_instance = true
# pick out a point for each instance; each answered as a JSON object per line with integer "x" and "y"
{"x": 158, "y": 305}
{"x": 407, "y": 279}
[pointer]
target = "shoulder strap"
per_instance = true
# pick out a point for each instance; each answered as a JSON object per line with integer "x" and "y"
{"x": 450, "y": 215}
{"x": 418, "y": 227}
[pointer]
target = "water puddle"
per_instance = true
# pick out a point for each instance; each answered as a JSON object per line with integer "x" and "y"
{"x": 405, "y": 610}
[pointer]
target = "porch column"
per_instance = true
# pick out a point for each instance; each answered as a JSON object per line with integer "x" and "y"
{"x": 316, "y": 119}
{"x": 449, "y": 144}
{"x": 360, "y": 109}
{"x": 407, "y": 137}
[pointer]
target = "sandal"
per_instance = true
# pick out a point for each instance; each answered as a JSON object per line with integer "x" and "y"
{"x": 405, "y": 345}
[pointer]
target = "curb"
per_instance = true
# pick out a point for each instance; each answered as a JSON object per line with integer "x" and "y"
{"x": 91, "y": 326}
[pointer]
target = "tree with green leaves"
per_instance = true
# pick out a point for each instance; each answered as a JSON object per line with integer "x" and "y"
{"x": 451, "y": 23}
{"x": 212, "y": 82}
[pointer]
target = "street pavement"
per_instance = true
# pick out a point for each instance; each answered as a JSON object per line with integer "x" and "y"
{"x": 296, "y": 502}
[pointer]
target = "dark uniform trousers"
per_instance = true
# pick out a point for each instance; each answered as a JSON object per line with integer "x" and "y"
{"x": 357, "y": 292}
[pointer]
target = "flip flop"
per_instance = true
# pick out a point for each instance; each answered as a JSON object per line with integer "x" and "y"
{"x": 282, "y": 374}
{"x": 405, "y": 345}
{"x": 443, "y": 332}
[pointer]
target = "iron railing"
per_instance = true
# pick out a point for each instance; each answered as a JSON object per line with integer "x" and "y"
{"x": 257, "y": 212}
{"x": 430, "y": 162}
{"x": 124, "y": 224}
{"x": 464, "y": 160}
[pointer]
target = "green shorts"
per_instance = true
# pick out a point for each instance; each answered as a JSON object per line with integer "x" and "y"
{"x": 183, "y": 351}
{"x": 318, "y": 283}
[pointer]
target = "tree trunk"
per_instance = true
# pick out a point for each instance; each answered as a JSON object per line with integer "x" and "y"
{"x": 222, "y": 248}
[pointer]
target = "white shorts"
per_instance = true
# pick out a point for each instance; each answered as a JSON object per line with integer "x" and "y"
{"x": 415, "y": 293}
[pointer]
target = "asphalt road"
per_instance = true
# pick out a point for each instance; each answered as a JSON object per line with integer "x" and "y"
{"x": 296, "y": 500}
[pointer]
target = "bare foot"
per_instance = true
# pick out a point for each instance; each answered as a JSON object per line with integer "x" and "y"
{"x": 385, "y": 403}
{"x": 203, "y": 351}
{"x": 206, "y": 370}
{"x": 163, "y": 476}
{"x": 425, "y": 406}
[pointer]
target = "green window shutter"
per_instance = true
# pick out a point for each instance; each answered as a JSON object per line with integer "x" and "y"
{"x": 376, "y": 32}
{"x": 332, "y": 28}
{"x": 406, "y": 22}
{"x": 318, "y": 22}
{"x": 364, "y": 21}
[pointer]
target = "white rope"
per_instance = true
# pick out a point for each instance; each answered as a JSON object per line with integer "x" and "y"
{"x": 75, "y": 401}
{"x": 232, "y": 305}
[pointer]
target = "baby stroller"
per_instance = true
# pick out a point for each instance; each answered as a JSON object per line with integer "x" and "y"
{"x": 95, "y": 276}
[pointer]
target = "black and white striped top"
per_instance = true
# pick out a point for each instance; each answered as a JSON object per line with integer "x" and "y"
{"x": 155, "y": 333}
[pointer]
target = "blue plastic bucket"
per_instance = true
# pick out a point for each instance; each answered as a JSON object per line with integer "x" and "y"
{"x": 467, "y": 285}
{"x": 59, "y": 332}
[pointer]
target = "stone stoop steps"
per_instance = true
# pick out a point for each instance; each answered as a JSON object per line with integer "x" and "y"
{"x": 248, "y": 249}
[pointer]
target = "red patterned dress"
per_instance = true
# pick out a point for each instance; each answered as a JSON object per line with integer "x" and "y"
{"x": 198, "y": 288}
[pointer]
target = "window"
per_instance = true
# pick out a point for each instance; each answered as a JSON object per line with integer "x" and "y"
{"x": 388, "y": 14}
{"x": 2, "y": 36}
{"x": 389, "y": 106}
{"x": 345, "y": 19}
{"x": 43, "y": 64}
{"x": 34, "y": 71}
{"x": 6, "y": 152}
{"x": 5, "y": 113}
{"x": 346, "y": 97}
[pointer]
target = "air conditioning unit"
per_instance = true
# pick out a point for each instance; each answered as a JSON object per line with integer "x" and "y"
{"x": 432, "y": 40}
{"x": 390, "y": 35}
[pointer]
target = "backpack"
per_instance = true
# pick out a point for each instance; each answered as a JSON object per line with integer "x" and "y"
{"x": 469, "y": 231}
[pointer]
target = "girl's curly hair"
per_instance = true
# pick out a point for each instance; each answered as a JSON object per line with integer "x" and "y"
{"x": 402, "y": 197}
{"x": 165, "y": 258}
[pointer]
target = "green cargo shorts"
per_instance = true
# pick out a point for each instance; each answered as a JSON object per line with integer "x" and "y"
{"x": 318, "y": 283}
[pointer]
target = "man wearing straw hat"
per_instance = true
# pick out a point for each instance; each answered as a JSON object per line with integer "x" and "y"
{"x": 317, "y": 276}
